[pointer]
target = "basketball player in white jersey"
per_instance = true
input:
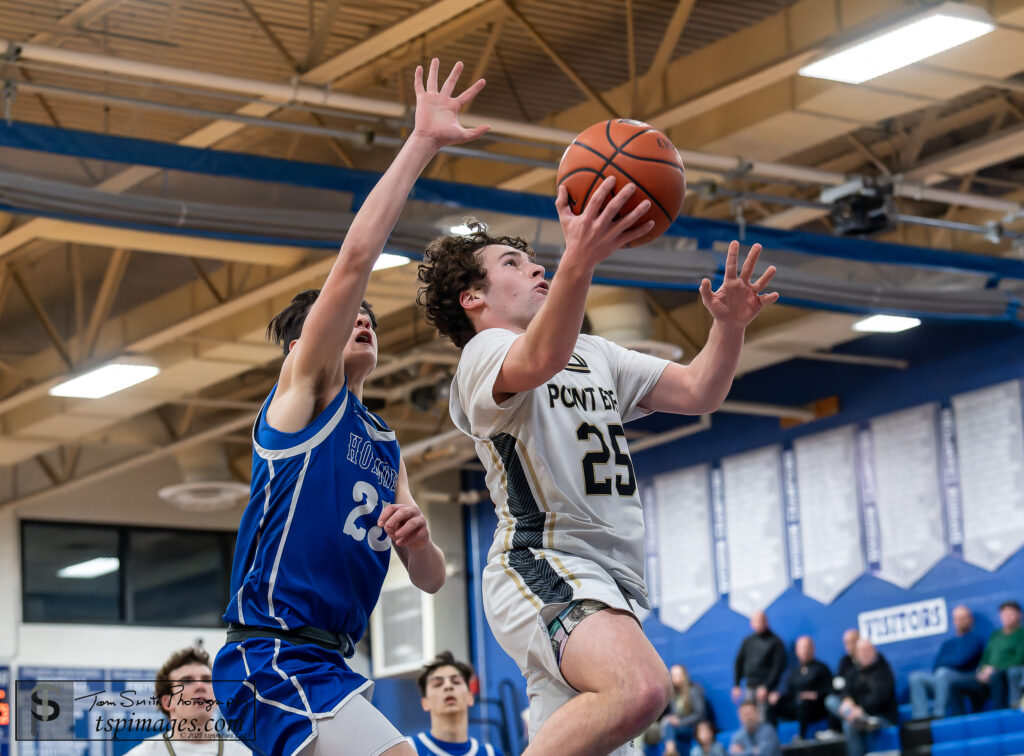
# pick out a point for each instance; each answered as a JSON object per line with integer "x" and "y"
{"x": 545, "y": 405}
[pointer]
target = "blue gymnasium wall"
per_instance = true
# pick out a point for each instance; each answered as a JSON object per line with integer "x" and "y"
{"x": 944, "y": 360}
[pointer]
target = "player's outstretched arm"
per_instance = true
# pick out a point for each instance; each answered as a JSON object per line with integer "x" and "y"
{"x": 329, "y": 324}
{"x": 702, "y": 386}
{"x": 590, "y": 237}
{"x": 407, "y": 528}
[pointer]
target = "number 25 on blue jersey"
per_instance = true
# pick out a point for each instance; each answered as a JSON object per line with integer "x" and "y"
{"x": 366, "y": 493}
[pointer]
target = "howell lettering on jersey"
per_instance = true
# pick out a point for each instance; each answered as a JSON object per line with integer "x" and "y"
{"x": 360, "y": 452}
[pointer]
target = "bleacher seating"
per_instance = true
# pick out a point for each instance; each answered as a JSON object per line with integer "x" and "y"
{"x": 988, "y": 733}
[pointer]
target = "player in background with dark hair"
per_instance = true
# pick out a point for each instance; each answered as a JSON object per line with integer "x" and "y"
{"x": 184, "y": 691}
{"x": 330, "y": 495}
{"x": 445, "y": 693}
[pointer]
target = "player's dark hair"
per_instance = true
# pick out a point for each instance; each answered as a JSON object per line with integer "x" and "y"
{"x": 190, "y": 655}
{"x": 443, "y": 659}
{"x": 286, "y": 326}
{"x": 450, "y": 267}
{"x": 1010, "y": 604}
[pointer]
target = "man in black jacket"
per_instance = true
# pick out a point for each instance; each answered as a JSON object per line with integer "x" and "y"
{"x": 844, "y": 670}
{"x": 869, "y": 699}
{"x": 759, "y": 664}
{"x": 846, "y": 664}
{"x": 802, "y": 694}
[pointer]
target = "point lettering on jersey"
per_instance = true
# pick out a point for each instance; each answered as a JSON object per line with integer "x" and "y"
{"x": 583, "y": 398}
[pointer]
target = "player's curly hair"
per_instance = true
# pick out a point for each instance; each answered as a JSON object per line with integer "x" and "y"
{"x": 286, "y": 326}
{"x": 190, "y": 655}
{"x": 443, "y": 659}
{"x": 450, "y": 267}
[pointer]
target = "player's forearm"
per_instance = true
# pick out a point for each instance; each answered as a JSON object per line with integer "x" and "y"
{"x": 552, "y": 334}
{"x": 376, "y": 218}
{"x": 426, "y": 567}
{"x": 713, "y": 369}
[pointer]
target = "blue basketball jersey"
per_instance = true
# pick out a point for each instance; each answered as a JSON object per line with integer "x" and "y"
{"x": 309, "y": 553}
{"x": 427, "y": 745}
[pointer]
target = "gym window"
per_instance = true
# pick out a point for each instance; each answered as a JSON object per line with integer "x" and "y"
{"x": 107, "y": 574}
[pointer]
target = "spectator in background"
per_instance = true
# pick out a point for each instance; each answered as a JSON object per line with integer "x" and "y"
{"x": 843, "y": 671}
{"x": 847, "y": 664}
{"x": 184, "y": 692}
{"x": 802, "y": 694}
{"x": 706, "y": 744}
{"x": 1002, "y": 663}
{"x": 685, "y": 709}
{"x": 869, "y": 698}
{"x": 932, "y": 692}
{"x": 445, "y": 695}
{"x": 759, "y": 664}
{"x": 755, "y": 737}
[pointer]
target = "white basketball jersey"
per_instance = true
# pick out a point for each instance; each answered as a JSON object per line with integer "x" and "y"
{"x": 558, "y": 468}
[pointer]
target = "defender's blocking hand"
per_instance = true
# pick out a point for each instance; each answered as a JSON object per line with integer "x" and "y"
{"x": 437, "y": 110}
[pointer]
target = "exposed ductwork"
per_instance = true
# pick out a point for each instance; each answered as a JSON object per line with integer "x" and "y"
{"x": 283, "y": 95}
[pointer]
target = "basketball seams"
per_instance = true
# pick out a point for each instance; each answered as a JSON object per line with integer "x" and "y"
{"x": 620, "y": 148}
{"x": 654, "y": 200}
{"x": 596, "y": 163}
{"x": 654, "y": 160}
{"x": 607, "y": 161}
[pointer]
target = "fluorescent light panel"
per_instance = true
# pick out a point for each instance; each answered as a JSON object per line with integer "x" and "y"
{"x": 105, "y": 380}
{"x": 917, "y": 38}
{"x": 885, "y": 324}
{"x": 389, "y": 260}
{"x": 91, "y": 568}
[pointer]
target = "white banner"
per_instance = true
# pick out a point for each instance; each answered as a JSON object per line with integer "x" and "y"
{"x": 904, "y": 622}
{"x": 685, "y": 575}
{"x": 754, "y": 529}
{"x": 909, "y": 501}
{"x": 990, "y": 445}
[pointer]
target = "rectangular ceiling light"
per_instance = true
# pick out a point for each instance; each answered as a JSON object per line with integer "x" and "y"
{"x": 389, "y": 260}
{"x": 916, "y": 38}
{"x": 105, "y": 380}
{"x": 91, "y": 568}
{"x": 885, "y": 324}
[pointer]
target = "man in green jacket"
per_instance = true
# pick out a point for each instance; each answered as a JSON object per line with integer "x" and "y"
{"x": 1002, "y": 664}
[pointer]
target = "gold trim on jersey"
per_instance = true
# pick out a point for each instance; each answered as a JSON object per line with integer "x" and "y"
{"x": 559, "y": 567}
{"x": 577, "y": 364}
{"x": 549, "y": 516}
{"x": 502, "y": 508}
{"x": 527, "y": 594}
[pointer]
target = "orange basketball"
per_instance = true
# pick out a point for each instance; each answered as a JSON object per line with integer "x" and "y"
{"x": 632, "y": 152}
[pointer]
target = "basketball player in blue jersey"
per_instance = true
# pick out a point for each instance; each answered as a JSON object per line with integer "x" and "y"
{"x": 330, "y": 496}
{"x": 445, "y": 694}
{"x": 545, "y": 405}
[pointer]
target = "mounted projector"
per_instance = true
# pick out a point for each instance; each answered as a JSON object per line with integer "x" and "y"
{"x": 859, "y": 207}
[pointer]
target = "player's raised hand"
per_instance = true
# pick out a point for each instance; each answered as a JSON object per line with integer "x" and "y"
{"x": 738, "y": 301}
{"x": 437, "y": 110}
{"x": 598, "y": 231}
{"x": 405, "y": 525}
